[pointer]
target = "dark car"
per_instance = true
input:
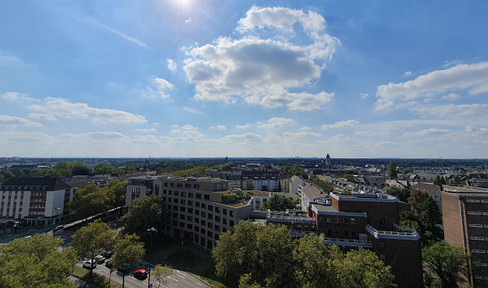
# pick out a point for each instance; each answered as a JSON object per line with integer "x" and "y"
{"x": 140, "y": 274}
{"x": 107, "y": 254}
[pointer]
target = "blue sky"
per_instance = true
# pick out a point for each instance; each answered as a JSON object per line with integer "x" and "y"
{"x": 238, "y": 78}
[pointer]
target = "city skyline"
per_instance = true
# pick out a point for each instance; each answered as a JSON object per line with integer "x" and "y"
{"x": 244, "y": 79}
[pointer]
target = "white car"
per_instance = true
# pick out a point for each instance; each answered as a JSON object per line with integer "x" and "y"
{"x": 89, "y": 264}
{"x": 99, "y": 259}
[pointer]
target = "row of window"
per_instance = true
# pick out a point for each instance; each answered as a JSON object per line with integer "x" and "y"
{"x": 337, "y": 220}
{"x": 184, "y": 194}
{"x": 477, "y": 226}
{"x": 204, "y": 215}
{"x": 180, "y": 185}
{"x": 477, "y": 213}
{"x": 197, "y": 204}
{"x": 477, "y": 200}
{"x": 478, "y": 251}
{"x": 477, "y": 238}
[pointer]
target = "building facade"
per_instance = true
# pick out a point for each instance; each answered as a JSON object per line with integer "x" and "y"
{"x": 197, "y": 207}
{"x": 465, "y": 217}
{"x": 34, "y": 200}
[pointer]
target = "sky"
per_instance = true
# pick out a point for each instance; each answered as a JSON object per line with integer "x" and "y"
{"x": 208, "y": 78}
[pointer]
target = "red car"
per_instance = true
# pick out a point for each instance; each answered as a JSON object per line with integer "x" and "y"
{"x": 140, "y": 274}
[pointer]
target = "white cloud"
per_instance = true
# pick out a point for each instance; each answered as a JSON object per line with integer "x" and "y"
{"x": 58, "y": 108}
{"x": 14, "y": 96}
{"x": 158, "y": 87}
{"x": 471, "y": 78}
{"x": 303, "y": 134}
{"x": 340, "y": 124}
{"x": 407, "y": 74}
{"x": 108, "y": 135}
{"x": 146, "y": 130}
{"x": 120, "y": 34}
{"x": 245, "y": 126}
{"x": 11, "y": 121}
{"x": 363, "y": 95}
{"x": 221, "y": 127}
{"x": 192, "y": 110}
{"x": 426, "y": 133}
{"x": 248, "y": 138}
{"x": 276, "y": 123}
{"x": 172, "y": 65}
{"x": 451, "y": 96}
{"x": 261, "y": 70}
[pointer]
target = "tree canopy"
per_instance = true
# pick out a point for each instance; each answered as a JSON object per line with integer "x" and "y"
{"x": 128, "y": 253}
{"x": 145, "y": 213}
{"x": 36, "y": 262}
{"x": 446, "y": 264}
{"x": 93, "y": 239}
{"x": 392, "y": 170}
{"x": 279, "y": 203}
{"x": 267, "y": 256}
{"x": 401, "y": 193}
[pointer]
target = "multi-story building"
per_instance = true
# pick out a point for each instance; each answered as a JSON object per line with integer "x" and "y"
{"x": 362, "y": 220}
{"x": 34, "y": 200}
{"x": 465, "y": 218}
{"x": 199, "y": 209}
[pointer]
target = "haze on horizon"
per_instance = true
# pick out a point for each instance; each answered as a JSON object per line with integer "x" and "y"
{"x": 244, "y": 79}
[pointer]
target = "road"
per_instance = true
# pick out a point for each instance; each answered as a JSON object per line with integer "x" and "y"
{"x": 177, "y": 279}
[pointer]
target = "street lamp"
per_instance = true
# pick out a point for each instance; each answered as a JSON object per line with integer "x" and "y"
{"x": 125, "y": 268}
{"x": 151, "y": 231}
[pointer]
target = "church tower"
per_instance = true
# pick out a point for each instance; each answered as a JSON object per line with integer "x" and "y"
{"x": 328, "y": 163}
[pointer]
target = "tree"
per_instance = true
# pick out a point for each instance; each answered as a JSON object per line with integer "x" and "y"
{"x": 362, "y": 268}
{"x": 117, "y": 188}
{"x": 326, "y": 186}
{"x": 315, "y": 262}
{"x": 246, "y": 282}
{"x": 401, "y": 193}
{"x": 279, "y": 203}
{"x": 146, "y": 212}
{"x": 392, "y": 170}
{"x": 160, "y": 273}
{"x": 93, "y": 239}
{"x": 103, "y": 168}
{"x": 425, "y": 217}
{"x": 445, "y": 263}
{"x": 439, "y": 180}
{"x": 92, "y": 200}
{"x": 456, "y": 180}
{"x": 36, "y": 262}
{"x": 407, "y": 170}
{"x": 128, "y": 253}
{"x": 249, "y": 185}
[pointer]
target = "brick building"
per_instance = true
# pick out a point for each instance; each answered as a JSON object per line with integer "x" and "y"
{"x": 369, "y": 221}
{"x": 195, "y": 206}
{"x": 465, "y": 217}
{"x": 34, "y": 200}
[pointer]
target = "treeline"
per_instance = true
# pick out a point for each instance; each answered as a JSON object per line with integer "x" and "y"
{"x": 267, "y": 256}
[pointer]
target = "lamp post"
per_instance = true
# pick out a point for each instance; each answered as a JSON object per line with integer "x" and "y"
{"x": 151, "y": 231}
{"x": 149, "y": 285}
{"x": 124, "y": 270}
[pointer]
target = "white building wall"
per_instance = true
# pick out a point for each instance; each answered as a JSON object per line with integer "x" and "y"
{"x": 54, "y": 203}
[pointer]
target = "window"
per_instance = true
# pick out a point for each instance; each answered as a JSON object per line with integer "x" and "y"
{"x": 177, "y": 193}
{"x": 190, "y": 195}
{"x": 210, "y": 216}
{"x": 183, "y": 194}
{"x": 190, "y": 202}
{"x": 231, "y": 223}
{"x": 478, "y": 251}
{"x": 475, "y": 226}
{"x": 189, "y": 218}
{"x": 197, "y": 204}
{"x": 204, "y": 206}
{"x": 182, "y": 216}
{"x": 179, "y": 185}
{"x": 217, "y": 209}
{"x": 204, "y": 214}
{"x": 196, "y": 186}
{"x": 190, "y": 210}
{"x": 472, "y": 201}
{"x": 203, "y": 222}
{"x": 206, "y": 197}
{"x": 187, "y": 185}
{"x": 217, "y": 218}
{"x": 224, "y": 211}
{"x": 217, "y": 228}
{"x": 477, "y": 238}
{"x": 199, "y": 196}
{"x": 224, "y": 221}
{"x": 231, "y": 213}
{"x": 197, "y": 212}
{"x": 209, "y": 225}
{"x": 175, "y": 200}
{"x": 197, "y": 220}
{"x": 474, "y": 213}
{"x": 353, "y": 221}
{"x": 210, "y": 207}
{"x": 182, "y": 209}
{"x": 337, "y": 220}
{"x": 329, "y": 220}
{"x": 345, "y": 221}
{"x": 183, "y": 201}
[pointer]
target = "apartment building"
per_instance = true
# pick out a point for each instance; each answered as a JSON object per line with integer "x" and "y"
{"x": 465, "y": 217}
{"x": 368, "y": 221}
{"x": 34, "y": 200}
{"x": 199, "y": 209}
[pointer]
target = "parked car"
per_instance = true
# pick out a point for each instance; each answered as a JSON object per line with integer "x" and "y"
{"x": 107, "y": 254}
{"x": 89, "y": 264}
{"x": 109, "y": 264}
{"x": 99, "y": 259}
{"x": 140, "y": 274}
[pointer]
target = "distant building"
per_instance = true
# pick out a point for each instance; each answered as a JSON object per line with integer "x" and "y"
{"x": 434, "y": 191}
{"x": 465, "y": 218}
{"x": 34, "y": 200}
{"x": 328, "y": 162}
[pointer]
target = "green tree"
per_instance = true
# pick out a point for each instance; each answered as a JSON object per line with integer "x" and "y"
{"x": 78, "y": 168}
{"x": 249, "y": 185}
{"x": 160, "y": 273}
{"x": 235, "y": 253}
{"x": 128, "y": 253}
{"x": 401, "y": 193}
{"x": 146, "y": 212}
{"x": 407, "y": 170}
{"x": 392, "y": 170}
{"x": 325, "y": 185}
{"x": 92, "y": 200}
{"x": 456, "y": 180}
{"x": 103, "y": 168}
{"x": 445, "y": 263}
{"x": 425, "y": 217}
{"x": 117, "y": 188}
{"x": 279, "y": 203}
{"x": 93, "y": 239}
{"x": 36, "y": 262}
{"x": 246, "y": 282}
{"x": 315, "y": 262}
{"x": 362, "y": 268}
{"x": 439, "y": 180}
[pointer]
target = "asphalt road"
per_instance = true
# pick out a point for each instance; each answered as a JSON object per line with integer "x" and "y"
{"x": 177, "y": 279}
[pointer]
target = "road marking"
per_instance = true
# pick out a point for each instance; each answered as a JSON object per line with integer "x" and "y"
{"x": 199, "y": 284}
{"x": 179, "y": 272}
{"x": 173, "y": 278}
{"x": 183, "y": 277}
